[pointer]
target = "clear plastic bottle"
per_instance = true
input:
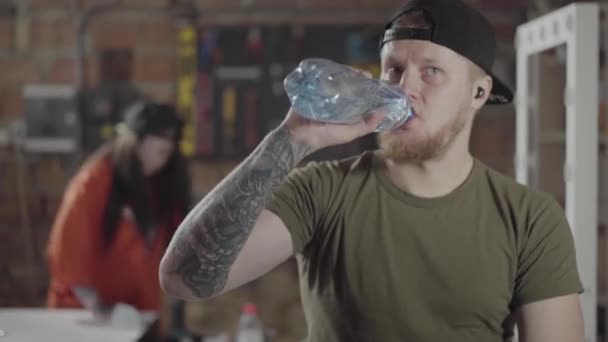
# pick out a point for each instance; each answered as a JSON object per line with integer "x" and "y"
{"x": 250, "y": 328}
{"x": 323, "y": 90}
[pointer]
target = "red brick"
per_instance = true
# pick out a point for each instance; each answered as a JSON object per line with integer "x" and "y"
{"x": 273, "y": 3}
{"x": 155, "y": 68}
{"x": 66, "y": 32}
{"x": 18, "y": 70}
{"x": 221, "y": 4}
{"x": 132, "y": 3}
{"x": 52, "y": 174}
{"x": 150, "y": 3}
{"x": 493, "y": 136}
{"x": 63, "y": 70}
{"x": 49, "y": 4}
{"x": 325, "y": 4}
{"x": 157, "y": 31}
{"x": 505, "y": 32}
{"x": 116, "y": 65}
{"x": 86, "y": 4}
{"x": 112, "y": 34}
{"x": 6, "y": 34}
{"x": 499, "y": 4}
{"x": 6, "y": 169}
{"x": 166, "y": 96}
{"x": 9, "y": 210}
{"x": 11, "y": 103}
{"x": 92, "y": 71}
{"x": 382, "y": 4}
{"x": 206, "y": 175}
{"x": 42, "y": 31}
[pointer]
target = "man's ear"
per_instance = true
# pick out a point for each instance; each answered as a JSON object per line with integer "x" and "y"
{"x": 482, "y": 88}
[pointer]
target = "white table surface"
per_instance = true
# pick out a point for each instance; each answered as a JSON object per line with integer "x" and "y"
{"x": 65, "y": 325}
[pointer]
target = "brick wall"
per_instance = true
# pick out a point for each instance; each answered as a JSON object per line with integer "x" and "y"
{"x": 41, "y": 48}
{"x": 38, "y": 46}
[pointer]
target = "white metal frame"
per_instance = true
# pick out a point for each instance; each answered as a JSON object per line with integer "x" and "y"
{"x": 576, "y": 26}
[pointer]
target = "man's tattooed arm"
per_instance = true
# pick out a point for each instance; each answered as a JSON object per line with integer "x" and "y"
{"x": 208, "y": 241}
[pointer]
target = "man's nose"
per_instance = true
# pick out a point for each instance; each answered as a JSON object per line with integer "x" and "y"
{"x": 410, "y": 84}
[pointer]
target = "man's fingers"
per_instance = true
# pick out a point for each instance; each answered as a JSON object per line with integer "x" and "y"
{"x": 370, "y": 122}
{"x": 374, "y": 118}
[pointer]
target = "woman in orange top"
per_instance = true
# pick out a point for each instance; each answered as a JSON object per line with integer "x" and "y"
{"x": 118, "y": 215}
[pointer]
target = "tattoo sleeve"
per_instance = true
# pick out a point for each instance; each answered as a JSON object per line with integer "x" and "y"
{"x": 210, "y": 238}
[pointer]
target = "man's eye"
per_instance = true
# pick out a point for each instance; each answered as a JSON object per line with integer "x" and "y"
{"x": 393, "y": 74}
{"x": 432, "y": 71}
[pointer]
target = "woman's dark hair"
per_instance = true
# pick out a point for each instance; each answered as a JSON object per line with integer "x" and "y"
{"x": 153, "y": 200}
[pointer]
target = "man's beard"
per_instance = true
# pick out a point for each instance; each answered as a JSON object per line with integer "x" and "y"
{"x": 422, "y": 149}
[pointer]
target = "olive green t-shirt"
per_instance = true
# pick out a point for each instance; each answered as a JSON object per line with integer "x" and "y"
{"x": 379, "y": 264}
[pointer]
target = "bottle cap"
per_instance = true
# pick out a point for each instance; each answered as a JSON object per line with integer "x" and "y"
{"x": 250, "y": 308}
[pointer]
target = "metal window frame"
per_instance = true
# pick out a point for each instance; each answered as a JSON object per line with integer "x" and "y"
{"x": 576, "y": 26}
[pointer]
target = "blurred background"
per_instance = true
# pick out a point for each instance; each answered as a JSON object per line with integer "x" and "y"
{"x": 69, "y": 68}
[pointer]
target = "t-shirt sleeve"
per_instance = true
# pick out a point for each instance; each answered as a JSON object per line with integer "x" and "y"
{"x": 547, "y": 262}
{"x": 303, "y": 199}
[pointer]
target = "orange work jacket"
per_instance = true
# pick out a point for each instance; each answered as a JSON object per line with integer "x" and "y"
{"x": 126, "y": 271}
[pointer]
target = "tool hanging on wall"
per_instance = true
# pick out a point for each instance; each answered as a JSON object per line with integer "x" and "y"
{"x": 250, "y": 113}
{"x": 205, "y": 123}
{"x": 208, "y": 55}
{"x": 229, "y": 107}
{"x": 254, "y": 52}
{"x": 186, "y": 83}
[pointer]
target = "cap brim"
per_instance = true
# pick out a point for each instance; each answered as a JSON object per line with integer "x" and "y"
{"x": 501, "y": 94}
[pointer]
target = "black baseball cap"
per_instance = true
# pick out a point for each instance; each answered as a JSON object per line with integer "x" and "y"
{"x": 149, "y": 118}
{"x": 458, "y": 27}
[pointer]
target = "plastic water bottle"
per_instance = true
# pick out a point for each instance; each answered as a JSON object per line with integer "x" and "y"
{"x": 250, "y": 327}
{"x": 323, "y": 90}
